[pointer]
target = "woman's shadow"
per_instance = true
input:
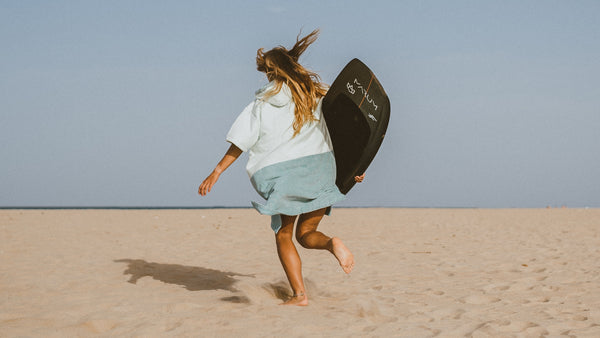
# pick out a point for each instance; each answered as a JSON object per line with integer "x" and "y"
{"x": 191, "y": 277}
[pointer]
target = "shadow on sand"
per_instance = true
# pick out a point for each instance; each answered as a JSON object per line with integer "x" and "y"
{"x": 191, "y": 277}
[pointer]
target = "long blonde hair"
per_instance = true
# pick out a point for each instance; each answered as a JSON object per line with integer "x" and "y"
{"x": 281, "y": 66}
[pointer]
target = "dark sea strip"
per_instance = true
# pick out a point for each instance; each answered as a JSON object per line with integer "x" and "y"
{"x": 112, "y": 208}
{"x": 205, "y": 208}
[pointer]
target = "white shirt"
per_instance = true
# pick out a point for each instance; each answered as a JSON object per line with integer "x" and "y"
{"x": 264, "y": 129}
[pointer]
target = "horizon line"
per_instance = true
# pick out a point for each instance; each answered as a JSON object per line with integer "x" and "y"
{"x": 249, "y": 207}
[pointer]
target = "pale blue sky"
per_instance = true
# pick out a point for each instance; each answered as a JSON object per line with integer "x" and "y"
{"x": 127, "y": 103}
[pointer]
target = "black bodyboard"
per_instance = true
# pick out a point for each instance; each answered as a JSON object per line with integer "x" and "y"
{"x": 357, "y": 113}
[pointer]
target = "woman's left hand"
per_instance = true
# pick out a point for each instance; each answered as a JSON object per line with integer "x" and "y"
{"x": 360, "y": 178}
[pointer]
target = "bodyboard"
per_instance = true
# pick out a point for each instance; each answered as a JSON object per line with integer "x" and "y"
{"x": 357, "y": 113}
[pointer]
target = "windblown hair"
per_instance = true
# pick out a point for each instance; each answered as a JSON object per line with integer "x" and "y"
{"x": 281, "y": 66}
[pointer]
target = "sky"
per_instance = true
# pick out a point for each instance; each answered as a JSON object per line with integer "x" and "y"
{"x": 494, "y": 104}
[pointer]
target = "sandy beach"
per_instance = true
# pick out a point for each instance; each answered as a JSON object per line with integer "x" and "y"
{"x": 215, "y": 273}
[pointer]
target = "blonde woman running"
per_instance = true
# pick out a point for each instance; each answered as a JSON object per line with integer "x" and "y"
{"x": 291, "y": 163}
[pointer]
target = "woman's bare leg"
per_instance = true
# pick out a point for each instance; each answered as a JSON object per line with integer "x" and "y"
{"x": 290, "y": 260}
{"x": 308, "y": 236}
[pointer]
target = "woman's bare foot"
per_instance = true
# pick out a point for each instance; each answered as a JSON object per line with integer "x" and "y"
{"x": 298, "y": 300}
{"x": 343, "y": 255}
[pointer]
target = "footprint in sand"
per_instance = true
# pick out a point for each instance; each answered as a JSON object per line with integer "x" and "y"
{"x": 435, "y": 292}
{"x": 542, "y": 299}
{"x": 513, "y": 326}
{"x": 370, "y": 310}
{"x": 419, "y": 317}
{"x": 447, "y": 313}
{"x": 479, "y": 299}
{"x": 181, "y": 307}
{"x": 99, "y": 325}
{"x": 579, "y": 318}
{"x": 496, "y": 288}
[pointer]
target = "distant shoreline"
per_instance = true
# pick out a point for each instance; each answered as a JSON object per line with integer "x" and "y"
{"x": 238, "y": 207}
{"x": 113, "y": 208}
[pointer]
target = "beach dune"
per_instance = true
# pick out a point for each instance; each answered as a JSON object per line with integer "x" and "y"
{"x": 215, "y": 272}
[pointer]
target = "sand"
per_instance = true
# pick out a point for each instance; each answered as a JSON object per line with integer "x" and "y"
{"x": 215, "y": 273}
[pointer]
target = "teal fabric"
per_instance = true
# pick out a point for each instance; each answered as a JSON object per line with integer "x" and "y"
{"x": 297, "y": 186}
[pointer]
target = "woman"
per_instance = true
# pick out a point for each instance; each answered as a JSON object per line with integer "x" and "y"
{"x": 291, "y": 162}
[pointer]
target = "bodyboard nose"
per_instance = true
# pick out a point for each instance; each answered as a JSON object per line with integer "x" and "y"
{"x": 357, "y": 112}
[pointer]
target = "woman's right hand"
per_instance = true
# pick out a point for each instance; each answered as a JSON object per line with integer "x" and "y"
{"x": 230, "y": 156}
{"x": 208, "y": 183}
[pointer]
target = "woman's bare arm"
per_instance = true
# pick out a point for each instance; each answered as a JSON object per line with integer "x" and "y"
{"x": 232, "y": 154}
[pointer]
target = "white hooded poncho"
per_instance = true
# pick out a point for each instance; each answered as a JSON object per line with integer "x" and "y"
{"x": 295, "y": 174}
